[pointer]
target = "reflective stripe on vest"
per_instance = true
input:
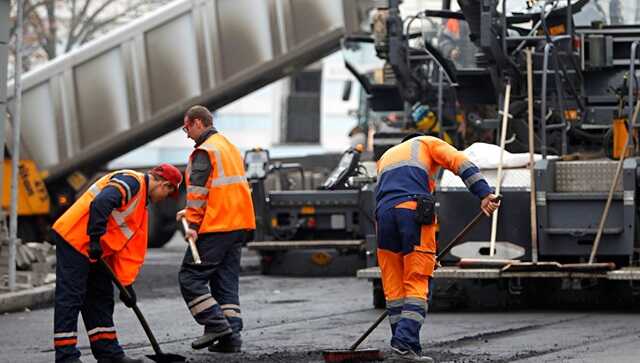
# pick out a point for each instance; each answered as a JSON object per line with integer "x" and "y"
{"x": 464, "y": 166}
{"x": 221, "y": 179}
{"x": 228, "y": 180}
{"x": 223, "y": 203}
{"x": 119, "y": 217}
{"x": 125, "y": 186}
{"x": 414, "y": 160}
{"x": 194, "y": 189}
{"x": 196, "y": 203}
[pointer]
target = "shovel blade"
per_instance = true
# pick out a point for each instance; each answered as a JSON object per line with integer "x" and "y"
{"x": 167, "y": 358}
{"x": 481, "y": 249}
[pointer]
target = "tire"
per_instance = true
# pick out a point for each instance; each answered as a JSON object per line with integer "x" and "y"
{"x": 379, "y": 302}
{"x": 30, "y": 229}
{"x": 266, "y": 260}
{"x": 162, "y": 222}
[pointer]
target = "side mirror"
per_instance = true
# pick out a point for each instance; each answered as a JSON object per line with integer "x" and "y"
{"x": 346, "y": 90}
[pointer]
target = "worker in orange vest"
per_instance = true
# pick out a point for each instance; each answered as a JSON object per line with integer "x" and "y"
{"x": 108, "y": 221}
{"x": 220, "y": 216}
{"x": 406, "y": 229}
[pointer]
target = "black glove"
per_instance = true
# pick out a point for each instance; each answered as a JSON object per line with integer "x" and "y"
{"x": 95, "y": 250}
{"x": 130, "y": 300}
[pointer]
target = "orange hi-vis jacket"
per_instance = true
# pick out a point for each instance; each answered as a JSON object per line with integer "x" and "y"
{"x": 224, "y": 204}
{"x": 409, "y": 169}
{"x": 125, "y": 243}
{"x": 405, "y": 171}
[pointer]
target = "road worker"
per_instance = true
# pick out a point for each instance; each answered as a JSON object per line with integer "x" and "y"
{"x": 220, "y": 217}
{"x": 455, "y": 44}
{"x": 108, "y": 221}
{"x": 406, "y": 229}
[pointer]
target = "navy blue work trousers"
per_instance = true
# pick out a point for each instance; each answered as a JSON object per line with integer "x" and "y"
{"x": 82, "y": 287}
{"x": 211, "y": 289}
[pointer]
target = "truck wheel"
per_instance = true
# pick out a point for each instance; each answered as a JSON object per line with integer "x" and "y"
{"x": 266, "y": 261}
{"x": 162, "y": 223}
{"x": 27, "y": 229}
{"x": 379, "y": 302}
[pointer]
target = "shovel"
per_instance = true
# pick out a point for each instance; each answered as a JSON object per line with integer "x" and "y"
{"x": 159, "y": 357}
{"x": 197, "y": 261}
{"x": 192, "y": 243}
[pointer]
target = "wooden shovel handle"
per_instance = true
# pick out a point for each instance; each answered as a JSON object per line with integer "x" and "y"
{"x": 192, "y": 243}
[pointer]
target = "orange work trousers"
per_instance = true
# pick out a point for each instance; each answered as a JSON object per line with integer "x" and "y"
{"x": 406, "y": 255}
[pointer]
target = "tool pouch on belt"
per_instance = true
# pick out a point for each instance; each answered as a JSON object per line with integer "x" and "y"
{"x": 425, "y": 209}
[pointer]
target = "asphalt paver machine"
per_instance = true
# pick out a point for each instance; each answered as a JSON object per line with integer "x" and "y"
{"x": 584, "y": 91}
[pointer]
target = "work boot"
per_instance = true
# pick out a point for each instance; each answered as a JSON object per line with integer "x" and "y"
{"x": 409, "y": 355}
{"x": 210, "y": 336}
{"x": 227, "y": 344}
{"x": 123, "y": 359}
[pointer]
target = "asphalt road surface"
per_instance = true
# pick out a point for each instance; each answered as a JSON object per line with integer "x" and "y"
{"x": 294, "y": 319}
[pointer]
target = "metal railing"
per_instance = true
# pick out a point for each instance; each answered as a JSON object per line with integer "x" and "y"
{"x": 563, "y": 125}
{"x": 633, "y": 79}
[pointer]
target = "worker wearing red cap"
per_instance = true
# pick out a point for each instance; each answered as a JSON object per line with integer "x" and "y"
{"x": 108, "y": 221}
{"x": 220, "y": 215}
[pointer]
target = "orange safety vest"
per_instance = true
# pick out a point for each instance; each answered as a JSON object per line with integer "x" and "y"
{"x": 409, "y": 169}
{"x": 224, "y": 204}
{"x": 426, "y": 154}
{"x": 124, "y": 244}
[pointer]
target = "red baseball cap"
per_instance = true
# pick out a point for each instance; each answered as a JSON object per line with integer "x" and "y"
{"x": 171, "y": 174}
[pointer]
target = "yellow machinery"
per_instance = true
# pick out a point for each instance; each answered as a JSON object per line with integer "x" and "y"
{"x": 33, "y": 198}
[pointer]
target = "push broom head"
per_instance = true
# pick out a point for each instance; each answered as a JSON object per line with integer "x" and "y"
{"x": 352, "y": 356}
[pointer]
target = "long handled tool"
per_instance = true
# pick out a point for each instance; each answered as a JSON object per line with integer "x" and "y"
{"x": 159, "y": 356}
{"x": 367, "y": 355}
{"x": 503, "y": 138}
{"x": 532, "y": 194}
{"x": 192, "y": 244}
{"x": 616, "y": 177}
{"x": 534, "y": 265}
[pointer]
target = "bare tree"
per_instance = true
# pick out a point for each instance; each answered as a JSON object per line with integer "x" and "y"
{"x": 53, "y": 27}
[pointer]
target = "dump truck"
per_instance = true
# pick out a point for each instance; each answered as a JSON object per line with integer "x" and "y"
{"x": 115, "y": 94}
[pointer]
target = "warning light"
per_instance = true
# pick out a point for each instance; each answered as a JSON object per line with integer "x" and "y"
{"x": 308, "y": 209}
{"x": 63, "y": 200}
{"x": 571, "y": 114}
{"x": 274, "y": 222}
{"x": 557, "y": 30}
{"x": 321, "y": 258}
{"x": 311, "y": 223}
{"x": 577, "y": 43}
